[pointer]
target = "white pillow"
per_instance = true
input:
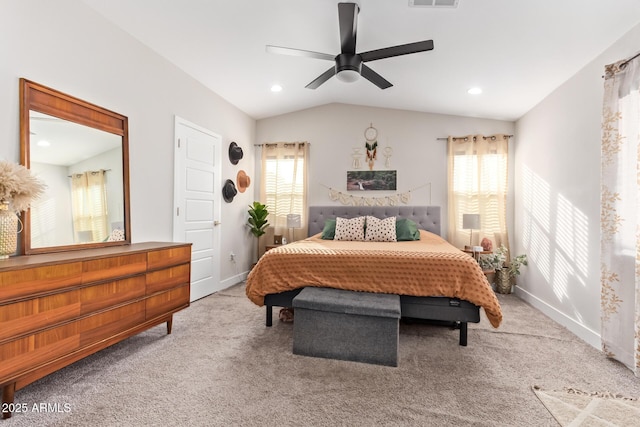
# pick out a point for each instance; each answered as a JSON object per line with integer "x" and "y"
{"x": 381, "y": 230}
{"x": 349, "y": 229}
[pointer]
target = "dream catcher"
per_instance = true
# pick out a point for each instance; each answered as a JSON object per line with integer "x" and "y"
{"x": 371, "y": 135}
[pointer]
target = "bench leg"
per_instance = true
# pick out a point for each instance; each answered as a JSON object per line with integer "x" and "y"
{"x": 269, "y": 315}
{"x": 463, "y": 334}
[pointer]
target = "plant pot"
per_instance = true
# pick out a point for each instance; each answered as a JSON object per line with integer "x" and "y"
{"x": 503, "y": 281}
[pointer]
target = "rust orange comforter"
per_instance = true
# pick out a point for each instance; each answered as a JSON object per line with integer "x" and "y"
{"x": 427, "y": 267}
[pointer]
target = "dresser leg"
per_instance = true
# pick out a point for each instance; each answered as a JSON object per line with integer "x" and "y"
{"x": 8, "y": 393}
{"x": 169, "y": 325}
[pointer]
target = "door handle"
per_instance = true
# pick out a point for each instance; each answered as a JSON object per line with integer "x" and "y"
{"x": 216, "y": 223}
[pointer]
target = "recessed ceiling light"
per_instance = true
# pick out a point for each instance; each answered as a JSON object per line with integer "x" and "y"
{"x": 276, "y": 88}
{"x": 475, "y": 91}
{"x": 43, "y": 143}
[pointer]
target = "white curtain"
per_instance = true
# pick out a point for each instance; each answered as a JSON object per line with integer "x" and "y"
{"x": 89, "y": 206}
{"x": 620, "y": 214}
{"x": 283, "y": 187}
{"x": 477, "y": 182}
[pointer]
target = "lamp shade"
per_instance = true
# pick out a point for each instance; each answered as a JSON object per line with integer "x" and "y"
{"x": 471, "y": 221}
{"x": 293, "y": 221}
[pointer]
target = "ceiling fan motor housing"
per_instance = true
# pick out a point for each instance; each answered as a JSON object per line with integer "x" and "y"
{"x": 347, "y": 61}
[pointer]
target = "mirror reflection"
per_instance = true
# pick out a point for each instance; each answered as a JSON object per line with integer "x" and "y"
{"x": 82, "y": 166}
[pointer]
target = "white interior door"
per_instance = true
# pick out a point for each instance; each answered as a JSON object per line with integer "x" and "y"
{"x": 197, "y": 201}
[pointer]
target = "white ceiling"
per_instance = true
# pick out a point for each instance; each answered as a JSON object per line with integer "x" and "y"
{"x": 517, "y": 51}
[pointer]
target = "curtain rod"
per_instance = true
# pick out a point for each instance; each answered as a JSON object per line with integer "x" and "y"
{"x": 80, "y": 173}
{"x": 630, "y": 59}
{"x": 624, "y": 63}
{"x": 493, "y": 137}
{"x": 275, "y": 143}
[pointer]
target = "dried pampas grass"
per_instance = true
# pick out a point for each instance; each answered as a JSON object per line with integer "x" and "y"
{"x": 18, "y": 186}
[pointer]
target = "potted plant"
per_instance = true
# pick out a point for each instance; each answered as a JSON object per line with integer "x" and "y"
{"x": 505, "y": 273}
{"x": 493, "y": 261}
{"x": 258, "y": 221}
{"x": 18, "y": 188}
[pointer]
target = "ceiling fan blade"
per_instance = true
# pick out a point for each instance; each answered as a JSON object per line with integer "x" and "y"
{"x": 403, "y": 49}
{"x": 322, "y": 78}
{"x": 299, "y": 52}
{"x": 374, "y": 77}
{"x": 348, "y": 20}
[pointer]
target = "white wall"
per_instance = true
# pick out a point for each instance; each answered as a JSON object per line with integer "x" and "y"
{"x": 557, "y": 204}
{"x": 69, "y": 47}
{"x": 333, "y": 130}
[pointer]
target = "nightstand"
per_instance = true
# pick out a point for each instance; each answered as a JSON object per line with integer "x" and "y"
{"x": 476, "y": 255}
{"x": 269, "y": 247}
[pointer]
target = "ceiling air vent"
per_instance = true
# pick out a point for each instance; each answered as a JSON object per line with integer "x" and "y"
{"x": 433, "y": 3}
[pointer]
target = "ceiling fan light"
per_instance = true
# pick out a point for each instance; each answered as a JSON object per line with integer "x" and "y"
{"x": 348, "y": 76}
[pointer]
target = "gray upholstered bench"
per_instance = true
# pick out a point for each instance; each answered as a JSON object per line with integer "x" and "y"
{"x": 347, "y": 325}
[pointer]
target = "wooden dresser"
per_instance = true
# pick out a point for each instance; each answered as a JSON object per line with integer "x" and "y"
{"x": 57, "y": 308}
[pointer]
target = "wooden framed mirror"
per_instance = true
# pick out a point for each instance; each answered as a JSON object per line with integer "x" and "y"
{"x": 81, "y": 151}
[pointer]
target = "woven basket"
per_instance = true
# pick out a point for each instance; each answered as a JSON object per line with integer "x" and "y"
{"x": 8, "y": 231}
{"x": 503, "y": 281}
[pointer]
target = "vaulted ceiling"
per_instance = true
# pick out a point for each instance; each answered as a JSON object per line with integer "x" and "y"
{"x": 516, "y": 51}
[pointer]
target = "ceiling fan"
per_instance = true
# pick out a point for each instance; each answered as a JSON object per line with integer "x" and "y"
{"x": 349, "y": 65}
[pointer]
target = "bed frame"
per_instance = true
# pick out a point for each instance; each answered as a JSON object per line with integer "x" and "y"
{"x": 442, "y": 310}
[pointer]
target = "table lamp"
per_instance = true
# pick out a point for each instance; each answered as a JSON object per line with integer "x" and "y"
{"x": 293, "y": 221}
{"x": 471, "y": 222}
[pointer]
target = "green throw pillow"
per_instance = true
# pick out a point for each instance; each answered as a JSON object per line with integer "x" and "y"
{"x": 329, "y": 230}
{"x": 406, "y": 230}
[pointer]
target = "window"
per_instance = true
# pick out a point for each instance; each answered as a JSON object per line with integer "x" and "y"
{"x": 284, "y": 184}
{"x": 478, "y": 185}
{"x": 89, "y": 200}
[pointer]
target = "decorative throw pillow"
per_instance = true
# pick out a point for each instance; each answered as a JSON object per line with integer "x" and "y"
{"x": 116, "y": 235}
{"x": 406, "y": 230}
{"x": 329, "y": 230}
{"x": 349, "y": 229}
{"x": 381, "y": 230}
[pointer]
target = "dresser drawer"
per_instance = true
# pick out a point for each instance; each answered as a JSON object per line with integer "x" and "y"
{"x": 109, "y": 323}
{"x": 32, "y": 281}
{"x": 99, "y": 297}
{"x": 51, "y": 343}
{"x": 167, "y": 278}
{"x": 113, "y": 267}
{"x": 167, "y": 302}
{"x": 36, "y": 349}
{"x": 166, "y": 257}
{"x": 25, "y": 316}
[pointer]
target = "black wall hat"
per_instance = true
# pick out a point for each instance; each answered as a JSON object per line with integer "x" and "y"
{"x": 235, "y": 153}
{"x": 229, "y": 191}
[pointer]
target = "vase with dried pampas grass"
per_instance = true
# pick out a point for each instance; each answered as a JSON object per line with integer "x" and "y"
{"x": 18, "y": 188}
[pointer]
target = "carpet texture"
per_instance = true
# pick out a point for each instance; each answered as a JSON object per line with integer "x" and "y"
{"x": 222, "y": 367}
{"x": 571, "y": 407}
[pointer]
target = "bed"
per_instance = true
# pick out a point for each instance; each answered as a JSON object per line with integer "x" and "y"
{"x": 435, "y": 281}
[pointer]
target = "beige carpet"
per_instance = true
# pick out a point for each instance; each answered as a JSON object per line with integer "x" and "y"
{"x": 222, "y": 367}
{"x": 571, "y": 407}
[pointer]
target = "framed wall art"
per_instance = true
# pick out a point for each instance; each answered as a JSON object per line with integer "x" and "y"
{"x": 371, "y": 180}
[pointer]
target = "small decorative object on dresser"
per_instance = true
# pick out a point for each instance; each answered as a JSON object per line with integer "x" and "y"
{"x": 18, "y": 188}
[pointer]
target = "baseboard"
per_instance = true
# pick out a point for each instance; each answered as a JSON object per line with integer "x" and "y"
{"x": 233, "y": 280}
{"x": 590, "y": 336}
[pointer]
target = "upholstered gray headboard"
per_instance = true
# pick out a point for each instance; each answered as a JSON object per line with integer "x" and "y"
{"x": 427, "y": 217}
